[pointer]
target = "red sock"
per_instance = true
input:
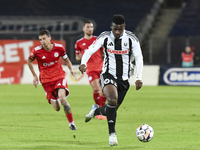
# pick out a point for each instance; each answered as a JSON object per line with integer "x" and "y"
{"x": 70, "y": 117}
{"x": 102, "y": 100}
{"x": 96, "y": 96}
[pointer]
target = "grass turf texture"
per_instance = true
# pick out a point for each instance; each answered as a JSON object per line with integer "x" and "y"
{"x": 28, "y": 122}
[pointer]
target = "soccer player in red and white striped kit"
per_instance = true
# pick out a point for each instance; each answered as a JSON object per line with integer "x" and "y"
{"x": 94, "y": 65}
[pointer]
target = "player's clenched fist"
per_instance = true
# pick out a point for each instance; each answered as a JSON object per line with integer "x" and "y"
{"x": 82, "y": 68}
{"x": 138, "y": 84}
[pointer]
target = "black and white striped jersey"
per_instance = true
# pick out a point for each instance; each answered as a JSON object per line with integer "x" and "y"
{"x": 118, "y": 54}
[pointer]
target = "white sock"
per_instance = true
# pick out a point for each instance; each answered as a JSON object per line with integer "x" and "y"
{"x": 70, "y": 123}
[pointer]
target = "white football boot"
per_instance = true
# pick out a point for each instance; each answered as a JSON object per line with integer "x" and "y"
{"x": 113, "y": 139}
{"x": 90, "y": 115}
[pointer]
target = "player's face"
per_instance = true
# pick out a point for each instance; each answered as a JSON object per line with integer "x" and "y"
{"x": 88, "y": 29}
{"x": 45, "y": 40}
{"x": 187, "y": 49}
{"x": 117, "y": 29}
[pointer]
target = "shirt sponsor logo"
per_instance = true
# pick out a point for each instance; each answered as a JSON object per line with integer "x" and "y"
{"x": 49, "y": 64}
{"x": 118, "y": 51}
{"x": 182, "y": 76}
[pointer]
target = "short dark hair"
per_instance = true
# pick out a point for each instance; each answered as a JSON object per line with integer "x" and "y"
{"x": 118, "y": 19}
{"x": 85, "y": 22}
{"x": 43, "y": 32}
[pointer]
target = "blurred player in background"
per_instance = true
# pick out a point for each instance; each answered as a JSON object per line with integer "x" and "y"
{"x": 52, "y": 75}
{"x": 94, "y": 65}
{"x": 120, "y": 46}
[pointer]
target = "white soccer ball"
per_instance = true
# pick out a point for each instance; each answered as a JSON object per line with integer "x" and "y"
{"x": 144, "y": 133}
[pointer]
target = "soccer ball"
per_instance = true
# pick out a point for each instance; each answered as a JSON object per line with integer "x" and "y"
{"x": 144, "y": 133}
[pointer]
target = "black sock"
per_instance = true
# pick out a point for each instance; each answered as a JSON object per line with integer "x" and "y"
{"x": 111, "y": 114}
{"x": 101, "y": 110}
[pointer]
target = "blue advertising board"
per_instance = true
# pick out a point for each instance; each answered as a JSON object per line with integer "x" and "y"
{"x": 179, "y": 76}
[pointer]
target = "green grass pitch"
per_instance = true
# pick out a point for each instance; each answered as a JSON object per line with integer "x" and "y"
{"x": 27, "y": 121}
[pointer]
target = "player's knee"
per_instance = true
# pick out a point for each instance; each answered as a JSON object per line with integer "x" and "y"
{"x": 62, "y": 100}
{"x": 57, "y": 108}
{"x": 56, "y": 105}
{"x": 112, "y": 101}
{"x": 95, "y": 88}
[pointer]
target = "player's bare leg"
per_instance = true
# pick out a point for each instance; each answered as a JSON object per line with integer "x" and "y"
{"x": 56, "y": 104}
{"x": 67, "y": 108}
{"x": 99, "y": 99}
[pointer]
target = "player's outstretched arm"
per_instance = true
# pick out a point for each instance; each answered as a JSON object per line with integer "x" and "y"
{"x": 35, "y": 77}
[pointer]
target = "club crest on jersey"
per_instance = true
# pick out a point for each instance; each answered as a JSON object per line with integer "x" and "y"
{"x": 125, "y": 44}
{"x": 56, "y": 54}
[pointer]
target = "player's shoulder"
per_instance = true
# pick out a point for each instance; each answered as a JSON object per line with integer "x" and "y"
{"x": 131, "y": 35}
{"x": 39, "y": 47}
{"x": 58, "y": 45}
{"x": 94, "y": 37}
{"x": 104, "y": 34}
{"x": 79, "y": 40}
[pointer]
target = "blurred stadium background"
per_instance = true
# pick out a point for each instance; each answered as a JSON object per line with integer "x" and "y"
{"x": 164, "y": 27}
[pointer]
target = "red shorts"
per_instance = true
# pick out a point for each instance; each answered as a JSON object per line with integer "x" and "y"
{"x": 93, "y": 75}
{"x": 51, "y": 89}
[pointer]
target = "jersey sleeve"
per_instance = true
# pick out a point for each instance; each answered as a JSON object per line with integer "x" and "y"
{"x": 32, "y": 55}
{"x": 63, "y": 53}
{"x": 77, "y": 48}
{"x": 137, "y": 54}
{"x": 91, "y": 50}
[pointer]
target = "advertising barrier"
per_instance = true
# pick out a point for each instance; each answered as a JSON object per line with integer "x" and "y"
{"x": 150, "y": 76}
{"x": 10, "y": 74}
{"x": 13, "y": 55}
{"x": 180, "y": 76}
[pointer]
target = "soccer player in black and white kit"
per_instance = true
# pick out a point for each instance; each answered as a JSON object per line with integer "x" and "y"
{"x": 120, "y": 47}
